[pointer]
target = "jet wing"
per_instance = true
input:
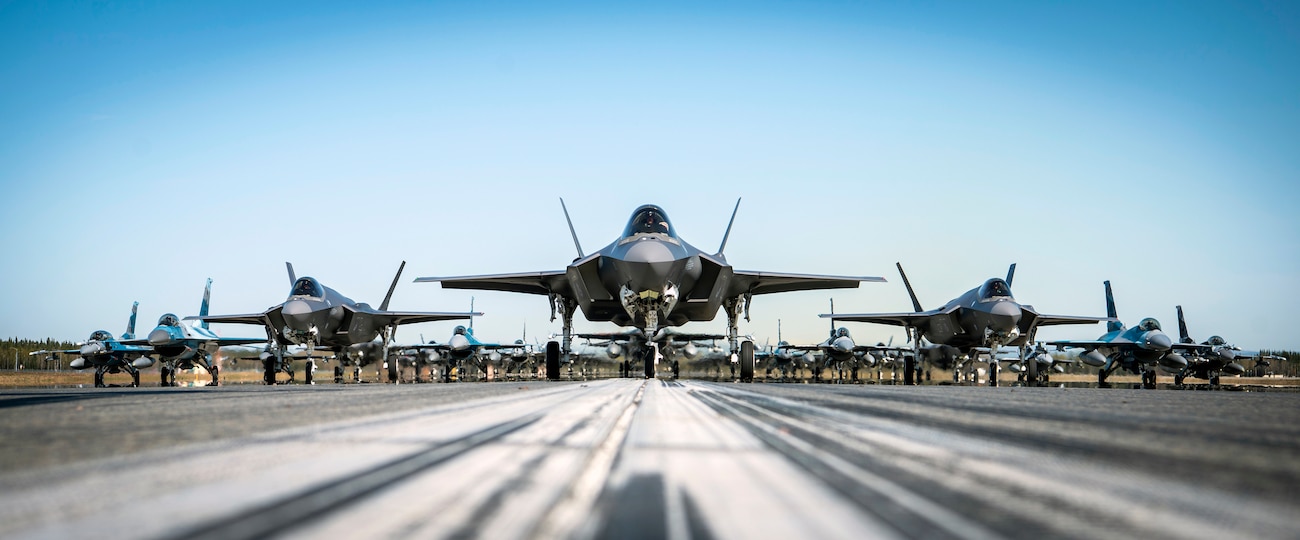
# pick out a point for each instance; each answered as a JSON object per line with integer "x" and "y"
{"x": 248, "y": 318}
{"x": 896, "y": 319}
{"x": 1083, "y": 344}
{"x": 1054, "y": 320}
{"x": 412, "y": 317}
{"x": 70, "y": 351}
{"x": 551, "y": 281}
{"x": 748, "y": 281}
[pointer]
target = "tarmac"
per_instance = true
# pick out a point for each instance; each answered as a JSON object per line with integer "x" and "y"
{"x": 626, "y": 458}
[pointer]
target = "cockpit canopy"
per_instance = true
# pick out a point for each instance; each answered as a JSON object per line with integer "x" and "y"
{"x": 169, "y": 320}
{"x": 306, "y": 286}
{"x": 459, "y": 330}
{"x": 100, "y": 335}
{"x": 649, "y": 219}
{"x": 841, "y": 332}
{"x": 995, "y": 288}
{"x": 1148, "y": 324}
{"x": 1217, "y": 341}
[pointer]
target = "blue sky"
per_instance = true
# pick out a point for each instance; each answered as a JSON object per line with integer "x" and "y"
{"x": 147, "y": 146}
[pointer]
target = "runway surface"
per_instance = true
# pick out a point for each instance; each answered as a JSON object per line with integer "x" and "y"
{"x": 647, "y": 459}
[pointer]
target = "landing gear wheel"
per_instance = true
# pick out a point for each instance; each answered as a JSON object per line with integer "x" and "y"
{"x": 747, "y": 361}
{"x": 1214, "y": 381}
{"x": 1149, "y": 379}
{"x": 135, "y": 379}
{"x": 1101, "y": 377}
{"x": 216, "y": 375}
{"x": 392, "y": 371}
{"x": 677, "y": 369}
{"x": 994, "y": 368}
{"x": 649, "y": 358}
{"x": 99, "y": 379}
{"x": 552, "y": 360}
{"x": 307, "y": 376}
{"x": 909, "y": 370}
{"x": 163, "y": 373}
{"x": 338, "y": 374}
{"x": 1178, "y": 379}
{"x": 268, "y": 374}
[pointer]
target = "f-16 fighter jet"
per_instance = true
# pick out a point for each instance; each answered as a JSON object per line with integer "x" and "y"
{"x": 110, "y": 355}
{"x": 1214, "y": 357}
{"x": 978, "y": 322}
{"x": 650, "y": 278}
{"x": 182, "y": 346}
{"x": 1139, "y": 349}
{"x": 318, "y": 317}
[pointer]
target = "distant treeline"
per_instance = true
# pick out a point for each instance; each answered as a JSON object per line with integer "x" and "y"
{"x": 21, "y": 348}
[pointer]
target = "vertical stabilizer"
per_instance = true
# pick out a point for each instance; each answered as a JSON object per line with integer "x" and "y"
{"x": 1011, "y": 273}
{"x": 391, "y": 288}
{"x": 292, "y": 278}
{"x": 471, "y": 319}
{"x": 727, "y": 234}
{"x": 203, "y": 307}
{"x": 130, "y": 324}
{"x": 832, "y": 319}
{"x": 571, "y": 231}
{"x": 1110, "y": 310}
{"x": 778, "y": 331}
{"x": 916, "y": 304}
{"x": 1182, "y": 328}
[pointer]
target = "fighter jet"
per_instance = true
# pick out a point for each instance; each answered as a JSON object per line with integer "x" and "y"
{"x": 976, "y": 323}
{"x": 320, "y": 318}
{"x": 836, "y": 354}
{"x": 466, "y": 352}
{"x": 1215, "y": 356}
{"x": 110, "y": 355}
{"x": 182, "y": 346}
{"x": 649, "y": 278}
{"x": 1139, "y": 349}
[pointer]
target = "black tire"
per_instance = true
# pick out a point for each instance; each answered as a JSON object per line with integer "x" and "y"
{"x": 552, "y": 360}
{"x": 135, "y": 379}
{"x": 216, "y": 375}
{"x": 747, "y": 361}
{"x": 268, "y": 375}
{"x": 909, "y": 370}
{"x": 338, "y": 374}
{"x": 162, "y": 373}
{"x": 1148, "y": 379}
{"x": 99, "y": 379}
{"x": 1031, "y": 370}
{"x": 1178, "y": 379}
{"x": 649, "y": 357}
{"x": 1101, "y": 376}
{"x": 677, "y": 369}
{"x": 307, "y": 373}
{"x": 392, "y": 371}
{"x": 1214, "y": 380}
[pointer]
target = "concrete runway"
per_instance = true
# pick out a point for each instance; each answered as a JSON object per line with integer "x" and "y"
{"x": 648, "y": 459}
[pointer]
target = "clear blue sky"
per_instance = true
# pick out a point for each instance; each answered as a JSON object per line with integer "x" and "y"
{"x": 146, "y": 146}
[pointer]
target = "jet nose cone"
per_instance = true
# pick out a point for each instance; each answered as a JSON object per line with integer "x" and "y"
{"x": 1006, "y": 315}
{"x": 842, "y": 345}
{"x": 1157, "y": 341}
{"x": 160, "y": 336}
{"x": 298, "y": 314}
{"x": 1227, "y": 354}
{"x": 458, "y": 343}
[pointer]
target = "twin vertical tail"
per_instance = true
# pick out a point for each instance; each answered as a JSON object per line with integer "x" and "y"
{"x": 916, "y": 304}
{"x": 203, "y": 307}
{"x": 727, "y": 234}
{"x": 1110, "y": 310}
{"x": 391, "y": 288}
{"x": 130, "y": 325}
{"x": 571, "y": 231}
{"x": 1182, "y": 328}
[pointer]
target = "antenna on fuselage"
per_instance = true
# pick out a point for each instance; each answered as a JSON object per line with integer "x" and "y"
{"x": 571, "y": 231}
{"x": 727, "y": 234}
{"x": 1011, "y": 272}
{"x": 389, "y": 296}
{"x": 916, "y": 304}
